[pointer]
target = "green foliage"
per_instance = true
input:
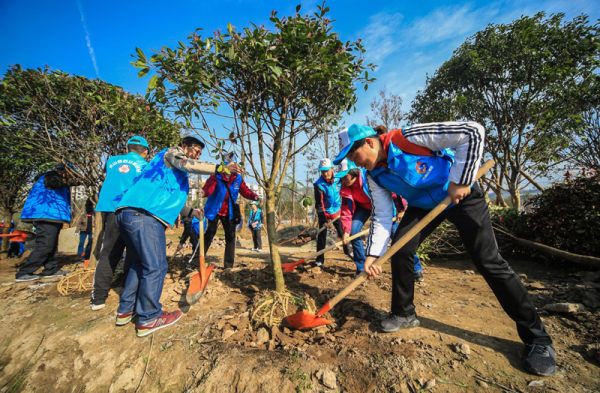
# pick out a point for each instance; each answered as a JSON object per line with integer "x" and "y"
{"x": 566, "y": 216}
{"x": 527, "y": 82}
{"x": 55, "y": 117}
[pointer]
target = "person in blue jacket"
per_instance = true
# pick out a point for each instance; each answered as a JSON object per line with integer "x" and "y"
{"x": 151, "y": 204}
{"x": 425, "y": 163}
{"x": 328, "y": 203}
{"x": 255, "y": 223}
{"x": 120, "y": 170}
{"x": 48, "y": 207}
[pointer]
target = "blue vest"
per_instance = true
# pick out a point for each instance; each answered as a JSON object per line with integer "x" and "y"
{"x": 421, "y": 180}
{"x": 47, "y": 204}
{"x": 159, "y": 190}
{"x": 255, "y": 216}
{"x": 120, "y": 172}
{"x": 215, "y": 200}
{"x": 196, "y": 225}
{"x": 333, "y": 200}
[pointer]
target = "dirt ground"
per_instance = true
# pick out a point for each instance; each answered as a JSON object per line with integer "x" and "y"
{"x": 465, "y": 343}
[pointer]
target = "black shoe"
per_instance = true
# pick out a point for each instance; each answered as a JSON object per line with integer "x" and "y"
{"x": 395, "y": 322}
{"x": 27, "y": 277}
{"x": 54, "y": 276}
{"x": 539, "y": 359}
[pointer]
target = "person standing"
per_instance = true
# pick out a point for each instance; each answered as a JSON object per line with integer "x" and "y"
{"x": 85, "y": 227}
{"x": 328, "y": 204}
{"x": 120, "y": 170}
{"x": 255, "y": 223}
{"x": 147, "y": 208}
{"x": 48, "y": 207}
{"x": 425, "y": 163}
{"x": 222, "y": 190}
{"x": 188, "y": 232}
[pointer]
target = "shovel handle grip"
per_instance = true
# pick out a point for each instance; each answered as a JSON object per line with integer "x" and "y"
{"x": 400, "y": 243}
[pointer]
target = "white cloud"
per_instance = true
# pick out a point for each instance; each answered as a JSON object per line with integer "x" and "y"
{"x": 88, "y": 41}
{"x": 379, "y": 36}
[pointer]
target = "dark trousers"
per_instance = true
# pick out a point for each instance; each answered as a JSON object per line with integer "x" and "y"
{"x": 229, "y": 230}
{"x": 322, "y": 238}
{"x": 44, "y": 248}
{"x": 146, "y": 245}
{"x": 256, "y": 238}
{"x": 112, "y": 246}
{"x": 472, "y": 220}
{"x": 81, "y": 252}
{"x": 188, "y": 231}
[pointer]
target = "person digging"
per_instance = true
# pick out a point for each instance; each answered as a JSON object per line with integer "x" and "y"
{"x": 425, "y": 163}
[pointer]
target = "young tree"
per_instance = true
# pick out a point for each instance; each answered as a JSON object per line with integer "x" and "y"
{"x": 386, "y": 109}
{"x": 276, "y": 86}
{"x": 527, "y": 83}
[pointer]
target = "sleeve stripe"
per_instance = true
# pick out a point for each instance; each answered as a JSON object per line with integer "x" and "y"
{"x": 475, "y": 140}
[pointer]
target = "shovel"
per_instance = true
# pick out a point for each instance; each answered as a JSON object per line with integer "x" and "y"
{"x": 199, "y": 280}
{"x": 290, "y": 266}
{"x": 305, "y": 320}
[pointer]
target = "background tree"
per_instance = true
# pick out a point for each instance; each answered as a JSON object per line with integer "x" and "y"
{"x": 386, "y": 109}
{"x": 279, "y": 87}
{"x": 585, "y": 147}
{"x": 527, "y": 82}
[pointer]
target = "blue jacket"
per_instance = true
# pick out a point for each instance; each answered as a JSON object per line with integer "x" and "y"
{"x": 327, "y": 197}
{"x": 47, "y": 204}
{"x": 159, "y": 190}
{"x": 257, "y": 217}
{"x": 196, "y": 225}
{"x": 121, "y": 170}
{"x": 215, "y": 200}
{"x": 421, "y": 180}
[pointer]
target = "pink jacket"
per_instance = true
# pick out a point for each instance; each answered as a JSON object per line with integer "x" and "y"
{"x": 352, "y": 197}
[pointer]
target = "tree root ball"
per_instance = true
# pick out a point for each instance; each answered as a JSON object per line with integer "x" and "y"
{"x": 270, "y": 307}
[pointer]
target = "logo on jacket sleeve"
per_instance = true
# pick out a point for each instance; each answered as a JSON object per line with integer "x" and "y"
{"x": 421, "y": 168}
{"x": 124, "y": 168}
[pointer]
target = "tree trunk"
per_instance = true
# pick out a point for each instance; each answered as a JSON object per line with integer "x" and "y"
{"x": 294, "y": 187}
{"x": 272, "y": 239}
{"x": 7, "y": 219}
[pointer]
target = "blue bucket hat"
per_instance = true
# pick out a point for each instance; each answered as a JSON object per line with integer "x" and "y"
{"x": 138, "y": 140}
{"x": 354, "y": 133}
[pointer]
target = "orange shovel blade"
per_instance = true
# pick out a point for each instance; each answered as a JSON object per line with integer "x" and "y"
{"x": 304, "y": 320}
{"x": 291, "y": 266}
{"x": 198, "y": 283}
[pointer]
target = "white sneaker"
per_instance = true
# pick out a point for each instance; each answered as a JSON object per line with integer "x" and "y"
{"x": 96, "y": 307}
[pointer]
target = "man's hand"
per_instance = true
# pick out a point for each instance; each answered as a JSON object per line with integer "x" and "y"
{"x": 198, "y": 213}
{"x": 458, "y": 192}
{"x": 235, "y": 168}
{"x": 372, "y": 270}
{"x": 345, "y": 239}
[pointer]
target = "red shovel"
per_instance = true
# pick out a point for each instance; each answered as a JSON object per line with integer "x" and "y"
{"x": 303, "y": 320}
{"x": 199, "y": 280}
{"x": 290, "y": 266}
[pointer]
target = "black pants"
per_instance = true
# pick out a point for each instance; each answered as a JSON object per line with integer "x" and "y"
{"x": 44, "y": 248}
{"x": 188, "y": 231}
{"x": 229, "y": 230}
{"x": 322, "y": 238}
{"x": 111, "y": 252}
{"x": 256, "y": 238}
{"x": 472, "y": 220}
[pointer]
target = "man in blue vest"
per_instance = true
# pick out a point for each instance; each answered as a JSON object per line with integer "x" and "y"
{"x": 424, "y": 163}
{"x": 120, "y": 170}
{"x": 222, "y": 191}
{"x": 328, "y": 203}
{"x": 48, "y": 207}
{"x": 152, "y": 203}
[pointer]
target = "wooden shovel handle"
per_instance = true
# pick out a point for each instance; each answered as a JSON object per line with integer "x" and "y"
{"x": 400, "y": 243}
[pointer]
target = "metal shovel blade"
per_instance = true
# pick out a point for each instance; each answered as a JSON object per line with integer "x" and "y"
{"x": 303, "y": 320}
{"x": 198, "y": 283}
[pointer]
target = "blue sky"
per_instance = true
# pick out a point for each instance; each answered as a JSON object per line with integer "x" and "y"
{"x": 406, "y": 39}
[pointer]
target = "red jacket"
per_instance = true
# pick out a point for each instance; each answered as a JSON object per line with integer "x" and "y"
{"x": 352, "y": 197}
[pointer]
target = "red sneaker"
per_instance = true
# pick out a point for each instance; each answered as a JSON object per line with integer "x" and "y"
{"x": 165, "y": 320}
{"x": 124, "y": 318}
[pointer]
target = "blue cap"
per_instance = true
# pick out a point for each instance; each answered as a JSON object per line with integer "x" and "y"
{"x": 354, "y": 133}
{"x": 138, "y": 140}
{"x": 345, "y": 167}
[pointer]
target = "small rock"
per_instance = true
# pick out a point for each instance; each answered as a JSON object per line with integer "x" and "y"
{"x": 262, "y": 336}
{"x": 462, "y": 348}
{"x": 429, "y": 384}
{"x": 227, "y": 333}
{"x": 327, "y": 378}
{"x": 536, "y": 384}
{"x": 469, "y": 272}
{"x": 570, "y": 308}
{"x": 536, "y": 285}
{"x": 427, "y": 305}
{"x": 482, "y": 384}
